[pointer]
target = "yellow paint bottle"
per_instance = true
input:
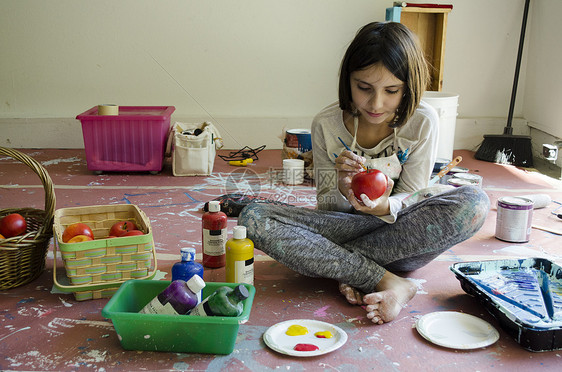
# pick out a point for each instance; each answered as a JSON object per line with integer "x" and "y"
{"x": 239, "y": 257}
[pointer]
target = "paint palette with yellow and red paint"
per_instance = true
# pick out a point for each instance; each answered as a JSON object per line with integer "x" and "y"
{"x": 304, "y": 337}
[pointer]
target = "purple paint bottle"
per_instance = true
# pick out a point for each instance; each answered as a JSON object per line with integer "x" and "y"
{"x": 187, "y": 268}
{"x": 177, "y": 299}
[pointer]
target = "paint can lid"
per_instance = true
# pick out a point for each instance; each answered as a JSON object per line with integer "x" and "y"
{"x": 239, "y": 232}
{"x": 469, "y": 176}
{"x": 515, "y": 200}
{"x": 214, "y": 206}
{"x": 195, "y": 283}
{"x": 456, "y": 170}
{"x": 459, "y": 182}
{"x": 298, "y": 131}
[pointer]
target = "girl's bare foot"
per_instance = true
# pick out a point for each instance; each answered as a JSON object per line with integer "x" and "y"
{"x": 390, "y": 296}
{"x": 352, "y": 295}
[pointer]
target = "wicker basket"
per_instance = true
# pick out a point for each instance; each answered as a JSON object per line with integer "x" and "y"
{"x": 97, "y": 268}
{"x": 22, "y": 258}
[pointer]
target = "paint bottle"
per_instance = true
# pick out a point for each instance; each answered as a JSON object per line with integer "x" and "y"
{"x": 225, "y": 301}
{"x": 187, "y": 268}
{"x": 239, "y": 257}
{"x": 177, "y": 299}
{"x": 214, "y": 236}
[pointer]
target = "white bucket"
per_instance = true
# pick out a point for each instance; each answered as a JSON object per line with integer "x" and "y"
{"x": 446, "y": 106}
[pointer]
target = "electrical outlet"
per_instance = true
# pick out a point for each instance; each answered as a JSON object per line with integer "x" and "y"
{"x": 550, "y": 152}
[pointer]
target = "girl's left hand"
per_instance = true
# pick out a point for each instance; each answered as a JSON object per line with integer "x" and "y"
{"x": 377, "y": 207}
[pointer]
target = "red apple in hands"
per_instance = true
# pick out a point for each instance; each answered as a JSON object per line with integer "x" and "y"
{"x": 78, "y": 228}
{"x": 12, "y": 225}
{"x": 372, "y": 183}
{"x": 120, "y": 228}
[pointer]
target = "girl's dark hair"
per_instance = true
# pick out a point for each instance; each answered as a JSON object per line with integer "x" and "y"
{"x": 398, "y": 49}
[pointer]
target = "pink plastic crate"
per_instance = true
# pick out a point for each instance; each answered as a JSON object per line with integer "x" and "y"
{"x": 134, "y": 140}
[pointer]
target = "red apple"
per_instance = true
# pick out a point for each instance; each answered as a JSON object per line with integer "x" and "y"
{"x": 12, "y": 225}
{"x": 372, "y": 183}
{"x": 132, "y": 233}
{"x": 120, "y": 228}
{"x": 78, "y": 228}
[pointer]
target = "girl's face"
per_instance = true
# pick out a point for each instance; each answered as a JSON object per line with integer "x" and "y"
{"x": 376, "y": 93}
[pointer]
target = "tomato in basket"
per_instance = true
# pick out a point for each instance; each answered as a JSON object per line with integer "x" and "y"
{"x": 12, "y": 225}
{"x": 78, "y": 228}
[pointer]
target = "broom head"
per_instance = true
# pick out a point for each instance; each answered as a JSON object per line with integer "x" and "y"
{"x": 506, "y": 149}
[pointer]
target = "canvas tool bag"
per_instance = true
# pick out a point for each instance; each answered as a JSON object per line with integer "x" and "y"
{"x": 194, "y": 148}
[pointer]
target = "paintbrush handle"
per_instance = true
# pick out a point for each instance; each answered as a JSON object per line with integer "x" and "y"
{"x": 449, "y": 166}
{"x": 443, "y": 171}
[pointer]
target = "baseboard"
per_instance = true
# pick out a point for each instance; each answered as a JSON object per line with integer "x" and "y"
{"x": 66, "y": 133}
{"x": 547, "y": 168}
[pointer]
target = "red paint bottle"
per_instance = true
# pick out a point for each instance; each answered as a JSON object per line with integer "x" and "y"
{"x": 214, "y": 236}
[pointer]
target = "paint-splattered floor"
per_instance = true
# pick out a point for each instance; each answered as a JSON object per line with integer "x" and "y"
{"x": 42, "y": 330}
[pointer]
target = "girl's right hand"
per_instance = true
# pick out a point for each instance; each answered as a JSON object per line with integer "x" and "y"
{"x": 348, "y": 165}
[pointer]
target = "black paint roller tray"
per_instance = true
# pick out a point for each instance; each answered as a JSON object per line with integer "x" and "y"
{"x": 524, "y": 295}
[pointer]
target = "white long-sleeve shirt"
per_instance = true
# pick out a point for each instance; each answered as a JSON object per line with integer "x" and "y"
{"x": 417, "y": 149}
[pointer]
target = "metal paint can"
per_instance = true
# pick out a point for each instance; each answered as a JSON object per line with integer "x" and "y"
{"x": 513, "y": 223}
{"x": 452, "y": 174}
{"x": 475, "y": 179}
{"x": 299, "y": 138}
{"x": 458, "y": 182}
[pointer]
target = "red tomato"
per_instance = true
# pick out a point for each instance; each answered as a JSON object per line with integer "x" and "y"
{"x": 12, "y": 225}
{"x": 372, "y": 183}
{"x": 120, "y": 228}
{"x": 78, "y": 228}
{"x": 80, "y": 239}
{"x": 132, "y": 233}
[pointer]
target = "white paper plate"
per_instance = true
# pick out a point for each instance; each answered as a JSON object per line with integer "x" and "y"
{"x": 456, "y": 330}
{"x": 276, "y": 338}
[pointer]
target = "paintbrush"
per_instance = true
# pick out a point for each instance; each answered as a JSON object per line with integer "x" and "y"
{"x": 438, "y": 176}
{"x": 348, "y": 149}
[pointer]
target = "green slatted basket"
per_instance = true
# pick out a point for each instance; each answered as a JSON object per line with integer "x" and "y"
{"x": 97, "y": 268}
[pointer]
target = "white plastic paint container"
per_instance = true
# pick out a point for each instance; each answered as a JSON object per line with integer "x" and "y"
{"x": 293, "y": 171}
{"x": 446, "y": 106}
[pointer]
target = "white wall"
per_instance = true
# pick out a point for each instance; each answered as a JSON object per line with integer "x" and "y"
{"x": 543, "y": 95}
{"x": 253, "y": 67}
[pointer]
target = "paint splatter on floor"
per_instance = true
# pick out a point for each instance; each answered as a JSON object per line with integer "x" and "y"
{"x": 321, "y": 313}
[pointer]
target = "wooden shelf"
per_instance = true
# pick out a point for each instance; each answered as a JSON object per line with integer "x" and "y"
{"x": 430, "y": 24}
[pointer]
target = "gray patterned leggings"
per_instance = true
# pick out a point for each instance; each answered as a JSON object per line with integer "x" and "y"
{"x": 357, "y": 249}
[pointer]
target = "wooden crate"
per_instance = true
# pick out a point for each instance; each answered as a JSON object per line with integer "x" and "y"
{"x": 430, "y": 24}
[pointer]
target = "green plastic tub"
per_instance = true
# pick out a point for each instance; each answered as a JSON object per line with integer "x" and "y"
{"x": 175, "y": 333}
